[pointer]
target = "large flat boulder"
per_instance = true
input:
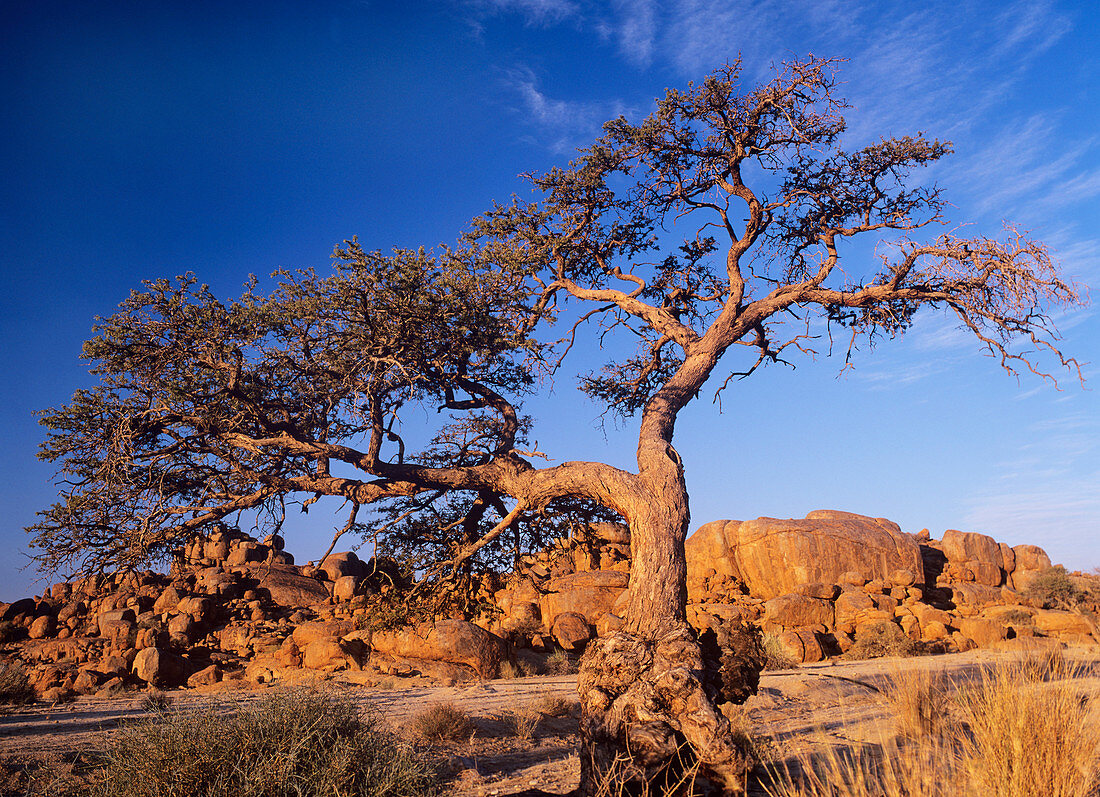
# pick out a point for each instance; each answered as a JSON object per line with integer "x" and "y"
{"x": 287, "y": 586}
{"x": 969, "y": 546}
{"x": 774, "y": 556}
{"x": 709, "y": 549}
{"x": 453, "y": 641}
{"x": 590, "y": 594}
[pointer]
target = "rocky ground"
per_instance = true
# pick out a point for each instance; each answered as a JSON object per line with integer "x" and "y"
{"x": 803, "y": 708}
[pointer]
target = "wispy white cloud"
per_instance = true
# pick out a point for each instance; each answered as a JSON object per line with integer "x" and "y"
{"x": 1048, "y": 491}
{"x": 534, "y": 12}
{"x": 561, "y": 124}
{"x": 635, "y": 29}
{"x": 1061, "y": 515}
{"x": 1027, "y": 168}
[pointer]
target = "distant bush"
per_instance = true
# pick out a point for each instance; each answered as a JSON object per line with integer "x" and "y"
{"x": 15, "y": 685}
{"x": 1017, "y": 617}
{"x": 560, "y": 663}
{"x": 776, "y": 656}
{"x": 1054, "y": 589}
{"x": 443, "y": 722}
{"x": 287, "y": 744}
{"x": 882, "y": 638}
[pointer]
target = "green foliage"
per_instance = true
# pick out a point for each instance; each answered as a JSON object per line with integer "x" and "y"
{"x": 1054, "y": 589}
{"x": 285, "y": 744}
{"x": 190, "y": 385}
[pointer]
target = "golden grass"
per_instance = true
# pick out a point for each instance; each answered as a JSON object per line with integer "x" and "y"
{"x": 919, "y": 699}
{"x": 1026, "y": 738}
{"x": 1013, "y": 736}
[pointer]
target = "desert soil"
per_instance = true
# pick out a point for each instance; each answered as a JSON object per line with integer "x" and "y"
{"x": 804, "y": 708}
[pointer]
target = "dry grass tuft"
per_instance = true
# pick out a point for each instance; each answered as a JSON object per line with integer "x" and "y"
{"x": 1045, "y": 665}
{"x": 1027, "y": 739}
{"x": 155, "y": 701}
{"x": 924, "y": 770}
{"x": 560, "y": 663}
{"x": 1016, "y": 737}
{"x": 557, "y": 706}
{"x": 776, "y": 656}
{"x": 920, "y": 702}
{"x": 443, "y": 722}
{"x": 524, "y": 720}
{"x": 623, "y": 778}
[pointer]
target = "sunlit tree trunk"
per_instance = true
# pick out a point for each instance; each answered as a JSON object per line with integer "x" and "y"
{"x": 648, "y": 693}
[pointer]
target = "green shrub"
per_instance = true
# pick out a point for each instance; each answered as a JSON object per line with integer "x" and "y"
{"x": 15, "y": 685}
{"x": 286, "y": 744}
{"x": 1054, "y": 589}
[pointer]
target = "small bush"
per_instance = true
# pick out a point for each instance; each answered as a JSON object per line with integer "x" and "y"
{"x": 524, "y": 720}
{"x": 1017, "y": 617}
{"x": 443, "y": 722}
{"x": 285, "y": 744}
{"x": 776, "y": 656}
{"x": 882, "y": 638}
{"x": 15, "y": 685}
{"x": 560, "y": 663}
{"x": 155, "y": 701}
{"x": 10, "y": 632}
{"x": 557, "y": 706}
{"x": 1054, "y": 589}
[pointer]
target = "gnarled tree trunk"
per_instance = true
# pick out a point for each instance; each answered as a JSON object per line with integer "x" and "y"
{"x": 650, "y": 691}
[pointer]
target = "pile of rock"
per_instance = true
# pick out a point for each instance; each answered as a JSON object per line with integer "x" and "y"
{"x": 814, "y": 584}
{"x": 231, "y": 607}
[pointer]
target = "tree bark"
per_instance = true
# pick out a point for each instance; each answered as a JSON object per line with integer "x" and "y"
{"x": 649, "y": 691}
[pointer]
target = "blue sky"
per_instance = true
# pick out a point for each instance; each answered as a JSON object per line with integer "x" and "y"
{"x": 149, "y": 139}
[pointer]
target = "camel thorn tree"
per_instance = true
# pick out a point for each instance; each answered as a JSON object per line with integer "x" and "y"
{"x": 716, "y": 221}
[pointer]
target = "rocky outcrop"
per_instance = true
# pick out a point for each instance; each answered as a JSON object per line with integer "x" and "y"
{"x": 772, "y": 557}
{"x": 451, "y": 641}
{"x": 233, "y": 608}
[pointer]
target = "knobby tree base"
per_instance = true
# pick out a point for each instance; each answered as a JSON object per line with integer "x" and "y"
{"x": 651, "y": 722}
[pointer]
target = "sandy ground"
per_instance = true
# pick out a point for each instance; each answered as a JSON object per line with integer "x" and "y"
{"x": 808, "y": 707}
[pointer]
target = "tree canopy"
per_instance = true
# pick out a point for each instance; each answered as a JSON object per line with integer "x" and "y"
{"x": 715, "y": 221}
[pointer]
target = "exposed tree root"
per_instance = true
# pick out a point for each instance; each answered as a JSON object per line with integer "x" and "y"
{"x": 657, "y": 701}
